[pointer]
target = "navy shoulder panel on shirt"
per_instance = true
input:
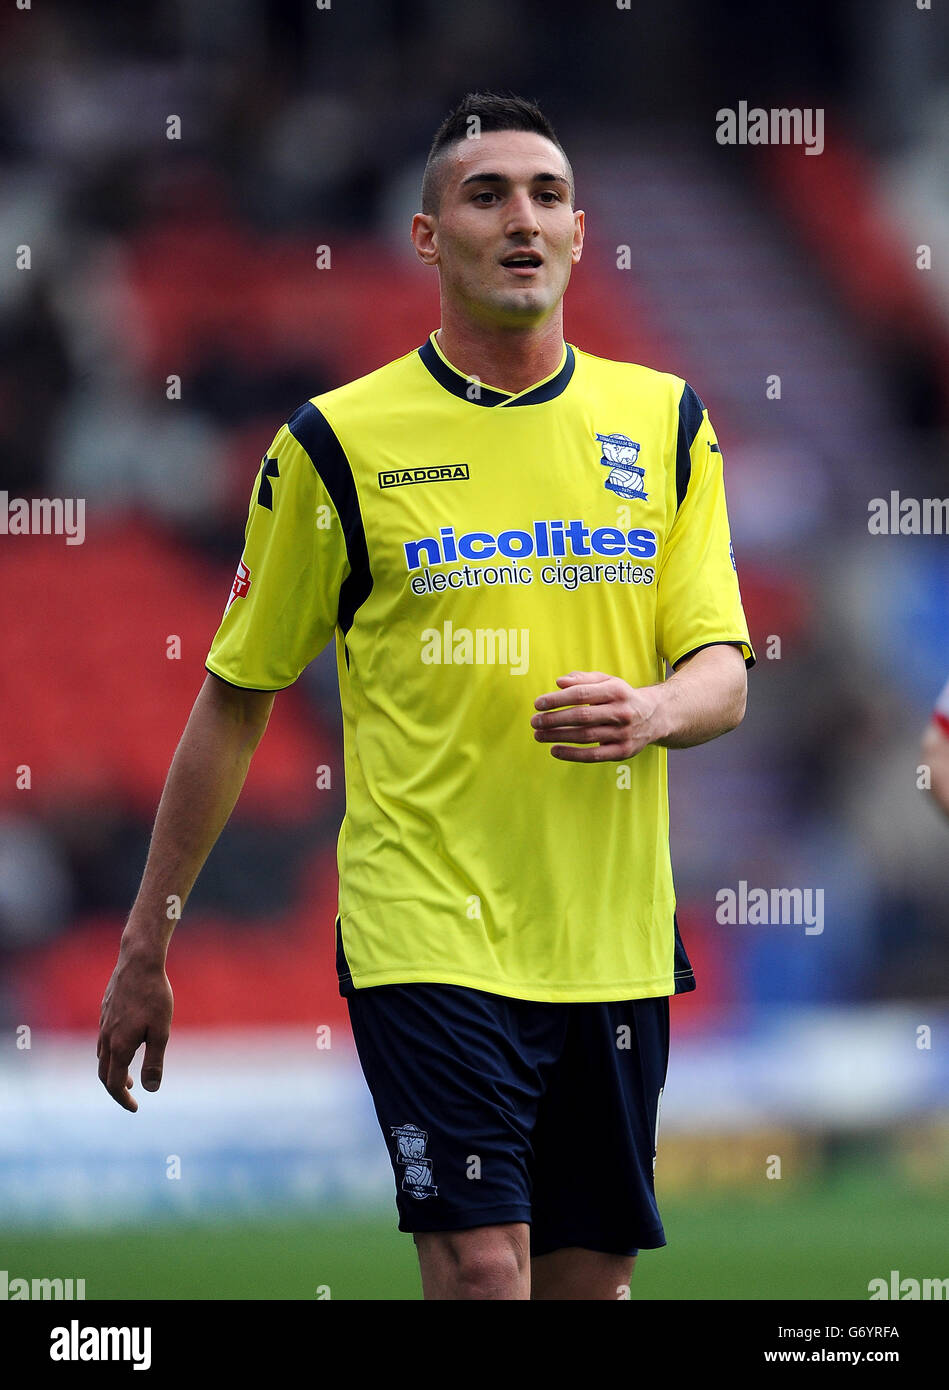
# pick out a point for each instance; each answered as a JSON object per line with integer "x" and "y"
{"x": 691, "y": 409}
{"x": 313, "y": 432}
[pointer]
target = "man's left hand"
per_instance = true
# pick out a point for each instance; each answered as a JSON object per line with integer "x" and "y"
{"x": 592, "y": 707}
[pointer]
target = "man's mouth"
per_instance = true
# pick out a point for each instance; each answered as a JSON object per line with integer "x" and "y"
{"x": 522, "y": 262}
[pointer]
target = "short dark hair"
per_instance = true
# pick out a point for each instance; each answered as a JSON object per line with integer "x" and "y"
{"x": 492, "y": 112}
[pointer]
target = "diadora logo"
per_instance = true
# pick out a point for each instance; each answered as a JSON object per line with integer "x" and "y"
{"x": 619, "y": 454}
{"x": 437, "y": 473}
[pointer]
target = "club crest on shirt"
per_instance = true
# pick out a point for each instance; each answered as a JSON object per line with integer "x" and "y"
{"x": 417, "y": 1179}
{"x": 619, "y": 454}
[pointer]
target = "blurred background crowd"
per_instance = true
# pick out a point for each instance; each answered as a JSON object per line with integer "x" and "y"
{"x": 174, "y": 315}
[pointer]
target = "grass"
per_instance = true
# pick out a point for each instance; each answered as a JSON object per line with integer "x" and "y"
{"x": 824, "y": 1241}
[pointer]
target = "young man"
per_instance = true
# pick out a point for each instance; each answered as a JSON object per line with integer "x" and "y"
{"x": 510, "y": 539}
{"x": 935, "y": 750}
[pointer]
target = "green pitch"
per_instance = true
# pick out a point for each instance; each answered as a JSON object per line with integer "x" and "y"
{"x": 822, "y": 1242}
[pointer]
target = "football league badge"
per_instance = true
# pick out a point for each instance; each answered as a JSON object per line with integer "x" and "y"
{"x": 241, "y": 586}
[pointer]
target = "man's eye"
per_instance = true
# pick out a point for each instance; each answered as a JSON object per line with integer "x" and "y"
{"x": 486, "y": 194}
{"x": 550, "y": 193}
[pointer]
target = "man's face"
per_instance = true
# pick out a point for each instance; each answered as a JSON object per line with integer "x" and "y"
{"x": 505, "y": 236}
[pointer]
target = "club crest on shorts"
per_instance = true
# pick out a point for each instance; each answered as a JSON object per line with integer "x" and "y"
{"x": 619, "y": 454}
{"x": 417, "y": 1178}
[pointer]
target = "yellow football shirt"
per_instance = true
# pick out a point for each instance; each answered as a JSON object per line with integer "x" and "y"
{"x": 467, "y": 546}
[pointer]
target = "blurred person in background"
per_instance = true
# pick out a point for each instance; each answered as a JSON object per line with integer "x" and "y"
{"x": 935, "y": 750}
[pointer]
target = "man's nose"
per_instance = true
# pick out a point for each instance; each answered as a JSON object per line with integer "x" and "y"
{"x": 523, "y": 216}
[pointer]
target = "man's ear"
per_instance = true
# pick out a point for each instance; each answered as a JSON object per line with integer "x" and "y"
{"x": 425, "y": 237}
{"x": 578, "y": 229}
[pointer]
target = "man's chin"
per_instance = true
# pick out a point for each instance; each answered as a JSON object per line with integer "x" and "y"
{"x": 521, "y": 307}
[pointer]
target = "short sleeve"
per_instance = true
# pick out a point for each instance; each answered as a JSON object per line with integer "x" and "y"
{"x": 698, "y": 600}
{"x": 284, "y": 603}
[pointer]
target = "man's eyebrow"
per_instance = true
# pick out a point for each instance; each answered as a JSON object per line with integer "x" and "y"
{"x": 503, "y": 178}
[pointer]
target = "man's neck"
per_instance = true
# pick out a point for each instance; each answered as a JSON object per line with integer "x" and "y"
{"x": 510, "y": 358}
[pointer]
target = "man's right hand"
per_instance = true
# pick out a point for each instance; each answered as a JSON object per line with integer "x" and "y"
{"x": 136, "y": 1008}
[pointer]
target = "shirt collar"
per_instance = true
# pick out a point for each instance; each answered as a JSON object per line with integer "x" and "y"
{"x": 477, "y": 393}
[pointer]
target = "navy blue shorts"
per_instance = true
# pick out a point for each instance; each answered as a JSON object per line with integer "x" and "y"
{"x": 501, "y": 1110}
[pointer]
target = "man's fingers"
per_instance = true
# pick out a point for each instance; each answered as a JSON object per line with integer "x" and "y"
{"x": 573, "y": 676}
{"x": 579, "y": 687}
{"x": 153, "y": 1062}
{"x": 581, "y": 717}
{"x": 602, "y": 753}
{"x": 121, "y": 1094}
{"x": 119, "y": 1080}
{"x": 564, "y": 733}
{"x": 599, "y": 694}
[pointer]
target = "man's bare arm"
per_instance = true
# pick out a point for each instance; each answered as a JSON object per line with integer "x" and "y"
{"x": 704, "y": 697}
{"x": 202, "y": 787}
{"x": 935, "y": 755}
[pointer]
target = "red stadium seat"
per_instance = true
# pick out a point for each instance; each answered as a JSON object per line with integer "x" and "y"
{"x": 223, "y": 973}
{"x": 106, "y": 705}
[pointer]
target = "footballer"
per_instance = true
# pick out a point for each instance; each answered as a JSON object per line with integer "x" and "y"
{"x": 521, "y": 552}
{"x": 935, "y": 750}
